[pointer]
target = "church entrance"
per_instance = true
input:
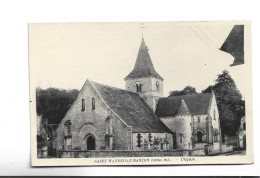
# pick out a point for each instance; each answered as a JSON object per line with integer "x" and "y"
{"x": 91, "y": 145}
{"x": 199, "y": 136}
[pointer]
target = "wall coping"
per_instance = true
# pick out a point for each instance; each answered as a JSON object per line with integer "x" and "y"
{"x": 177, "y": 150}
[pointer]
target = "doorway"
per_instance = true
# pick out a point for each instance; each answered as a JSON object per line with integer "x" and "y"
{"x": 199, "y": 136}
{"x": 91, "y": 145}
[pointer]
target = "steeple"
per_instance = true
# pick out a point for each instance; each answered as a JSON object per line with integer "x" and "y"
{"x": 144, "y": 80}
{"x": 183, "y": 109}
{"x": 143, "y": 65}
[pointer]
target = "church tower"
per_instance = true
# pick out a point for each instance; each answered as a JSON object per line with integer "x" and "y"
{"x": 144, "y": 80}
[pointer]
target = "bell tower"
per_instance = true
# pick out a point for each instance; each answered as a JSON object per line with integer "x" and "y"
{"x": 143, "y": 79}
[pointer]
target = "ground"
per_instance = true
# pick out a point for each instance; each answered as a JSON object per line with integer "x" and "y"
{"x": 237, "y": 152}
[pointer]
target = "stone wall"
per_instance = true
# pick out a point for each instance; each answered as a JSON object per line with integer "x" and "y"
{"x": 197, "y": 152}
{"x": 181, "y": 125}
{"x": 92, "y": 122}
{"x": 120, "y": 153}
{"x": 148, "y": 84}
{"x": 149, "y": 93}
{"x": 214, "y": 114}
{"x": 200, "y": 145}
{"x": 226, "y": 148}
{"x": 201, "y": 123}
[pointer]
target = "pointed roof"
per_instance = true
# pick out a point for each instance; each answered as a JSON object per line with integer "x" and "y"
{"x": 143, "y": 65}
{"x": 183, "y": 109}
{"x": 131, "y": 108}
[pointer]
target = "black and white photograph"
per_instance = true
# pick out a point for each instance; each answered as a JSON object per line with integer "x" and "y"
{"x": 141, "y": 93}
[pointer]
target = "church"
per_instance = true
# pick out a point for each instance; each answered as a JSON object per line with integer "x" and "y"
{"x": 139, "y": 117}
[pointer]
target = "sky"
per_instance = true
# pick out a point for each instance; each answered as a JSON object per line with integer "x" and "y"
{"x": 64, "y": 55}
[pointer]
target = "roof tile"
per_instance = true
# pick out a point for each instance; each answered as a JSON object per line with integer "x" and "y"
{"x": 197, "y": 104}
{"x": 131, "y": 108}
{"x": 143, "y": 65}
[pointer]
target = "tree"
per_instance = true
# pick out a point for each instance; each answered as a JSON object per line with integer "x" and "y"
{"x": 54, "y": 103}
{"x": 188, "y": 90}
{"x": 230, "y": 104}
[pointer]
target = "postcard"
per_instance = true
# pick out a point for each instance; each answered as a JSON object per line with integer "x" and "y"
{"x": 141, "y": 93}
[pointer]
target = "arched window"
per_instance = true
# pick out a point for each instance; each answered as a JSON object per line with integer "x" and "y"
{"x": 139, "y": 141}
{"x": 82, "y": 105}
{"x": 138, "y": 87}
{"x": 181, "y": 138}
{"x": 244, "y": 126}
{"x": 216, "y": 138}
{"x": 199, "y": 136}
{"x": 157, "y": 86}
{"x": 150, "y": 137}
{"x": 67, "y": 128}
{"x": 109, "y": 126}
{"x": 93, "y": 103}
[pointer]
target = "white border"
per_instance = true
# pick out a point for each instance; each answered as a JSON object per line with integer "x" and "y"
{"x": 15, "y": 122}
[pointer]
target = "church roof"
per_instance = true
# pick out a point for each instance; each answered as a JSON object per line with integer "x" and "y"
{"x": 143, "y": 65}
{"x": 197, "y": 104}
{"x": 131, "y": 108}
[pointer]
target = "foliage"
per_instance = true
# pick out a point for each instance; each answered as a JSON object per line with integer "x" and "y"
{"x": 188, "y": 90}
{"x": 230, "y": 104}
{"x": 53, "y": 103}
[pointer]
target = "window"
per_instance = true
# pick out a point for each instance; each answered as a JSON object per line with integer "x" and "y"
{"x": 107, "y": 140}
{"x": 157, "y": 86}
{"x": 214, "y": 115}
{"x": 198, "y": 119}
{"x": 109, "y": 126}
{"x": 67, "y": 128}
{"x": 215, "y": 138}
{"x": 138, "y": 87}
{"x": 150, "y": 137}
{"x": 93, "y": 103}
{"x": 82, "y": 105}
{"x": 181, "y": 138}
{"x": 139, "y": 141}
